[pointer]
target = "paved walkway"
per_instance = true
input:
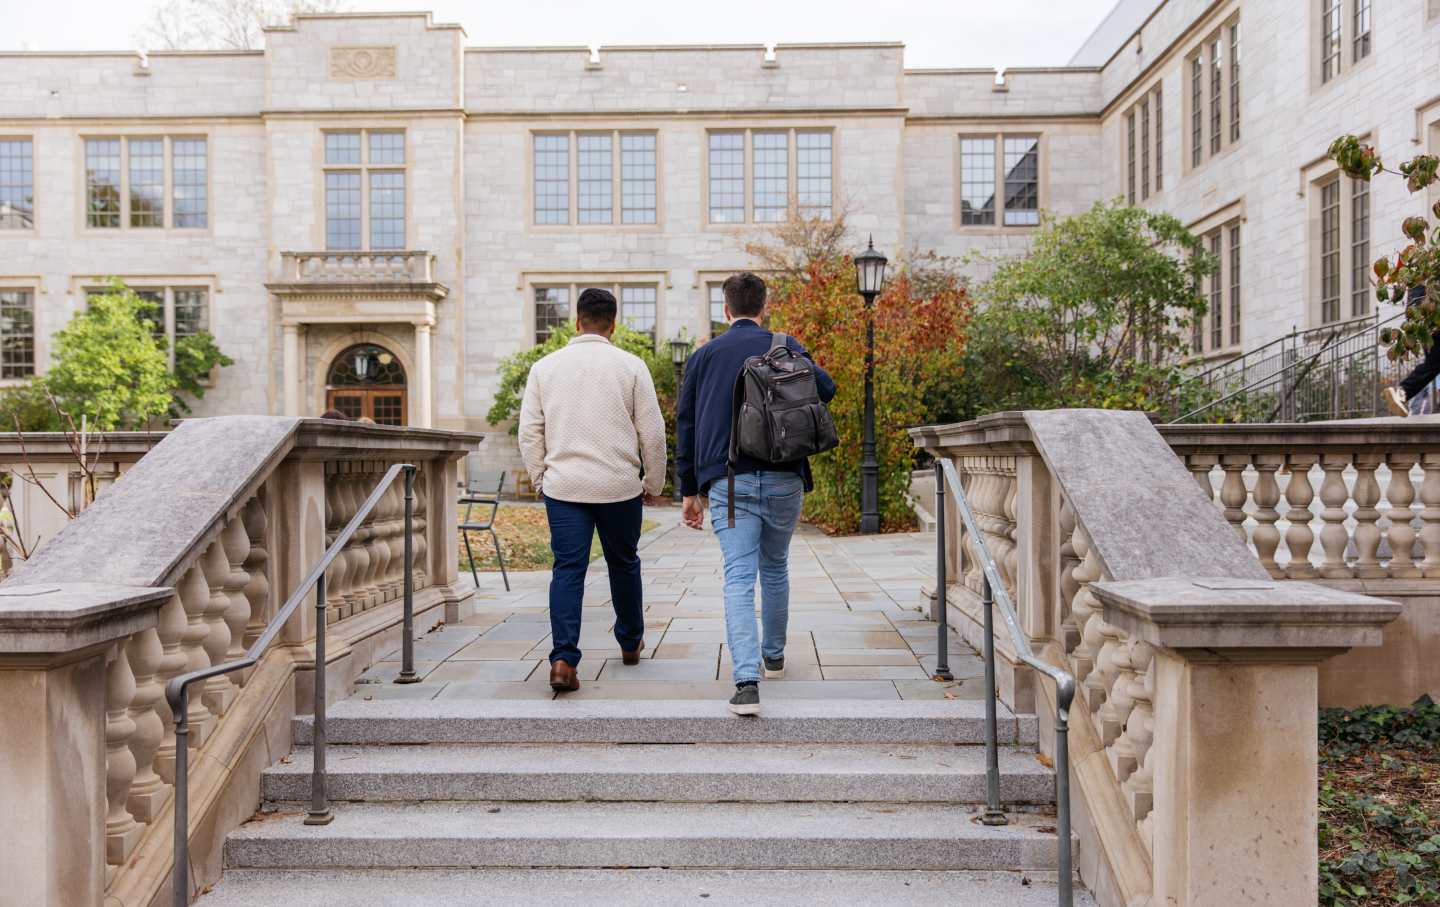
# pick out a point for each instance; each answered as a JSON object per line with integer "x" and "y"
{"x": 856, "y": 630}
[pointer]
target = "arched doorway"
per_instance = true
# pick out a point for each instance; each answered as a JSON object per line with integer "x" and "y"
{"x": 367, "y": 380}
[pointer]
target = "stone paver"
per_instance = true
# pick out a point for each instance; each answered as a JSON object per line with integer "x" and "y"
{"x": 856, "y": 630}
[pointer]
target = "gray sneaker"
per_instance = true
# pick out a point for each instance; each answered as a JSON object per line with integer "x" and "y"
{"x": 746, "y": 700}
{"x": 774, "y": 668}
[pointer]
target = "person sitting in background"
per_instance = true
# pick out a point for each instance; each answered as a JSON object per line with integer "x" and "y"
{"x": 1398, "y": 397}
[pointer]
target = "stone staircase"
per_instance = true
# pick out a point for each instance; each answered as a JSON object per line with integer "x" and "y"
{"x": 604, "y": 801}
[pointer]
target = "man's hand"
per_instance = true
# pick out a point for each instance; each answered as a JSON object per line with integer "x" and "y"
{"x": 653, "y": 500}
{"x": 692, "y": 513}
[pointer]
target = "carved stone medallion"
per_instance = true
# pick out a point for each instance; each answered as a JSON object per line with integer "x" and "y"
{"x": 362, "y": 62}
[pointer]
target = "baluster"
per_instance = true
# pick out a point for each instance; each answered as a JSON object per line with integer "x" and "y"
{"x": 1069, "y": 629}
{"x": 219, "y": 691}
{"x": 257, "y": 569}
{"x": 1430, "y": 516}
{"x": 195, "y": 595}
{"x": 359, "y": 557}
{"x": 1084, "y": 606}
{"x": 1367, "y": 517}
{"x": 379, "y": 551}
{"x": 148, "y": 792}
{"x": 419, "y": 523}
{"x": 1333, "y": 537}
{"x": 1298, "y": 536}
{"x": 1100, "y": 685}
{"x": 1401, "y": 536}
{"x": 1120, "y": 673}
{"x": 396, "y": 538}
{"x": 121, "y": 830}
{"x": 1267, "y": 495}
{"x": 335, "y": 576}
{"x": 172, "y": 625}
{"x": 1200, "y": 466}
{"x": 235, "y": 542}
{"x": 1140, "y": 786}
{"x": 1232, "y": 492}
{"x": 1011, "y": 530}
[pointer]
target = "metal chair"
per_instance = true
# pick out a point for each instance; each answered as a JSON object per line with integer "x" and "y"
{"x": 483, "y": 490}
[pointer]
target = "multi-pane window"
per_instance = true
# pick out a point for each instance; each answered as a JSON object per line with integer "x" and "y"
{"x": 1330, "y": 251}
{"x": 1130, "y": 157}
{"x": 552, "y": 310}
{"x": 1218, "y": 328}
{"x": 173, "y": 313}
{"x": 1013, "y": 174}
{"x": 637, "y": 178}
{"x": 1359, "y": 248}
{"x": 1235, "y": 82}
{"x": 788, "y": 169}
{"x": 585, "y": 166}
{"x": 1197, "y": 110}
{"x": 17, "y": 334}
{"x": 1330, "y": 15}
{"x": 125, "y": 182}
{"x": 1145, "y": 149}
{"x": 1233, "y": 273}
{"x": 594, "y": 185}
{"x": 1216, "y": 83}
{"x": 187, "y": 182}
{"x": 17, "y": 184}
{"x": 1215, "y": 93}
{"x": 552, "y": 179}
{"x": 365, "y": 189}
{"x": 814, "y": 174}
{"x": 718, "y": 323}
{"x": 770, "y": 179}
{"x": 727, "y": 177}
{"x": 1342, "y": 21}
{"x": 1217, "y": 294}
{"x": 147, "y": 182}
{"x": 1022, "y": 181}
{"x": 637, "y": 308}
{"x": 1159, "y": 139}
{"x": 102, "y": 182}
{"x": 977, "y": 181}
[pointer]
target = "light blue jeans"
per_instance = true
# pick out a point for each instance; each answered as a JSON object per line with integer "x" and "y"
{"x": 767, "y": 506}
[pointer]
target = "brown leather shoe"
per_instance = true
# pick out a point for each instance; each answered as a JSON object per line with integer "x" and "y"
{"x": 632, "y": 658}
{"x": 562, "y": 677}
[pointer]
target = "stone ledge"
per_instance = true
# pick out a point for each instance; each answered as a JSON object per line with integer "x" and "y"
{"x": 1243, "y": 614}
{"x": 69, "y": 617}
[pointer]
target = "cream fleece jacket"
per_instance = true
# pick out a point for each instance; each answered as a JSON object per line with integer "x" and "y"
{"x": 590, "y": 423}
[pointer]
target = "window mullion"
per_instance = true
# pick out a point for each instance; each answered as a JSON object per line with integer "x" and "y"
{"x": 167, "y": 316}
{"x": 572, "y": 151}
{"x": 617, "y": 178}
{"x": 747, "y": 181}
{"x": 999, "y": 139}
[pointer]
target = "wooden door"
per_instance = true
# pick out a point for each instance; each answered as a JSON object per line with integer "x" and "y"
{"x": 386, "y": 406}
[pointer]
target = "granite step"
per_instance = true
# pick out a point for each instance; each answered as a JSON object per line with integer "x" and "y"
{"x": 633, "y": 887}
{"x": 663, "y": 721}
{"x": 635, "y": 835}
{"x": 696, "y": 773}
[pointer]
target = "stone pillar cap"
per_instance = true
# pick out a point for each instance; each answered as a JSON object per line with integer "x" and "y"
{"x": 66, "y": 617}
{"x": 1186, "y": 612}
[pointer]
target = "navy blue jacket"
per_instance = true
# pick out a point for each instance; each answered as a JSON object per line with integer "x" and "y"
{"x": 702, "y": 425}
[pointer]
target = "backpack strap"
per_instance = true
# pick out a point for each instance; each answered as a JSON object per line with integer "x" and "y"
{"x": 737, "y": 396}
{"x": 779, "y": 341}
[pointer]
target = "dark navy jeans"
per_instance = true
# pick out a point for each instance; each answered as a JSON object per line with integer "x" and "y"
{"x": 572, "y": 526}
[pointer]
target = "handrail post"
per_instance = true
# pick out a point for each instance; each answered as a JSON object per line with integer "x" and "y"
{"x": 994, "y": 814}
{"x": 180, "y": 874}
{"x": 407, "y": 641}
{"x": 1063, "y": 696}
{"x": 319, "y": 807}
{"x": 942, "y": 661}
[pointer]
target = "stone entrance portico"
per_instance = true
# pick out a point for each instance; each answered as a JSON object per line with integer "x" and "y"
{"x": 332, "y": 301}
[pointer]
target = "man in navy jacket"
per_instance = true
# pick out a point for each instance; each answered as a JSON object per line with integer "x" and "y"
{"x": 768, "y": 496}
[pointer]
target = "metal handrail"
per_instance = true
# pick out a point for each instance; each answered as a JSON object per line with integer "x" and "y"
{"x": 176, "y": 691}
{"x": 995, "y": 594}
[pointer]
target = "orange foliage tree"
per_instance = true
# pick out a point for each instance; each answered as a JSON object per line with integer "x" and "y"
{"x": 920, "y": 329}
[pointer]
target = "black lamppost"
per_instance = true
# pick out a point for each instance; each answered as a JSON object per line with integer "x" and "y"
{"x": 680, "y": 349}
{"x": 869, "y": 276}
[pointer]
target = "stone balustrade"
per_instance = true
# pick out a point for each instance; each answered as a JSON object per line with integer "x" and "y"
{"x": 211, "y": 529}
{"x": 1068, "y": 502}
{"x": 404, "y": 266}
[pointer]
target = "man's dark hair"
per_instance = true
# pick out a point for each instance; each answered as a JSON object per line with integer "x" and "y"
{"x": 597, "y": 309}
{"x": 744, "y": 295}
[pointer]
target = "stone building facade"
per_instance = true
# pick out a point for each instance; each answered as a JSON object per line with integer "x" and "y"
{"x": 369, "y": 214}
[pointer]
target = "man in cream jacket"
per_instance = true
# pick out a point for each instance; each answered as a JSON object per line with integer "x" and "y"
{"x": 593, "y": 440}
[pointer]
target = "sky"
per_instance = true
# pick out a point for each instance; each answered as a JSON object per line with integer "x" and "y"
{"x": 937, "y": 33}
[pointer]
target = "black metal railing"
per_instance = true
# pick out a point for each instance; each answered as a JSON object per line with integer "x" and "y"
{"x": 176, "y": 691}
{"x": 995, "y": 595}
